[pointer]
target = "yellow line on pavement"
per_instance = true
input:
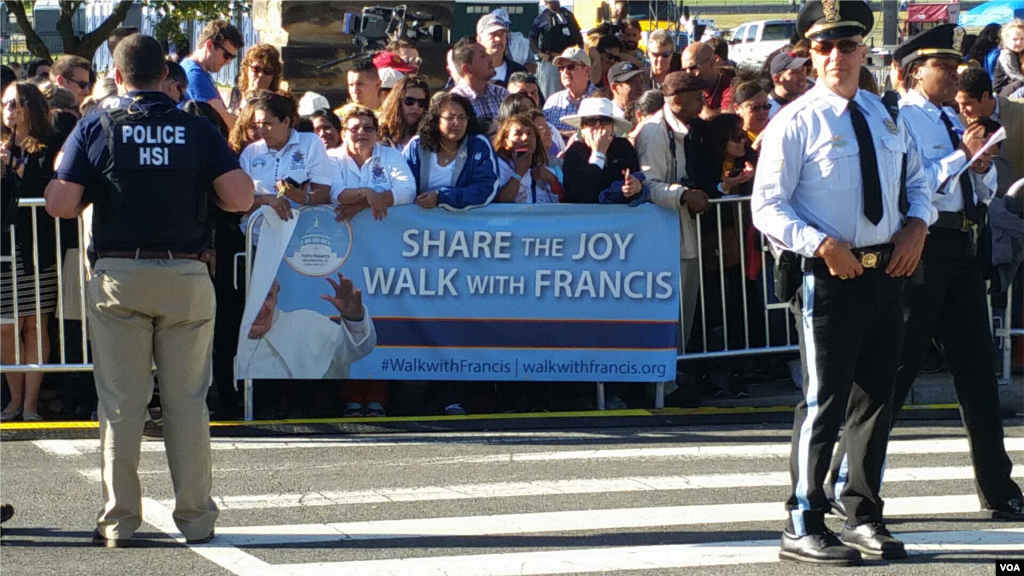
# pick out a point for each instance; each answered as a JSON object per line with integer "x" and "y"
{"x": 707, "y": 411}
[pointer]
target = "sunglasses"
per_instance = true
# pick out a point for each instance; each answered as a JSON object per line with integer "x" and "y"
{"x": 417, "y": 61}
{"x": 595, "y": 121}
{"x": 267, "y": 71}
{"x": 567, "y": 68}
{"x": 739, "y": 137}
{"x": 661, "y": 54}
{"x": 693, "y": 69}
{"x": 229, "y": 56}
{"x": 611, "y": 57}
{"x": 844, "y": 46}
{"x": 12, "y": 103}
{"x": 421, "y": 102}
{"x": 82, "y": 85}
{"x": 759, "y": 107}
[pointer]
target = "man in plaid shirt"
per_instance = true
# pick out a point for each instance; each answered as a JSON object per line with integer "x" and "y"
{"x": 476, "y": 69}
{"x": 574, "y": 70}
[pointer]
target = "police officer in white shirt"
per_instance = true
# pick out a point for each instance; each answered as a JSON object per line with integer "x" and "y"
{"x": 828, "y": 189}
{"x": 950, "y": 304}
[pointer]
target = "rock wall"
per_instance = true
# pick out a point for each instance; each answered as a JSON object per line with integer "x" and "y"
{"x": 310, "y": 33}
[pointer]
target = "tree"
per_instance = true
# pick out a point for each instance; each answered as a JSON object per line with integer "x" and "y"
{"x": 171, "y": 15}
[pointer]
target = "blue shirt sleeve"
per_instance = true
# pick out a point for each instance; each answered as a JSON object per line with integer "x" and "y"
{"x": 83, "y": 152}
{"x": 217, "y": 157}
{"x": 200, "y": 84}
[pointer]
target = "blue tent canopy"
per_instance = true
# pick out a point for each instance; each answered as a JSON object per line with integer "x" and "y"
{"x": 998, "y": 11}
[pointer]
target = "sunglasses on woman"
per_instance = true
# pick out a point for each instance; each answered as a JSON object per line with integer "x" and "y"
{"x": 759, "y": 107}
{"x": 596, "y": 120}
{"x": 410, "y": 101}
{"x": 739, "y": 137}
{"x": 265, "y": 70}
{"x": 12, "y": 103}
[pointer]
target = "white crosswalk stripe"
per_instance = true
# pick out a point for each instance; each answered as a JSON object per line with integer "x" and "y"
{"x": 475, "y": 528}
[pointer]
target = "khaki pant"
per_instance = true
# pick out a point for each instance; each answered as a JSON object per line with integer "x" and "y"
{"x": 141, "y": 311}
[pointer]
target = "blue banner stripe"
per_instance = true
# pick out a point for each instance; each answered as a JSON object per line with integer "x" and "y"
{"x": 548, "y": 334}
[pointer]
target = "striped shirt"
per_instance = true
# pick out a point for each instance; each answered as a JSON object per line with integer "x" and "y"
{"x": 485, "y": 105}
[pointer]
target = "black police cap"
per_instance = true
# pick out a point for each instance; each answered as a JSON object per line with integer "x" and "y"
{"x": 941, "y": 41}
{"x": 831, "y": 19}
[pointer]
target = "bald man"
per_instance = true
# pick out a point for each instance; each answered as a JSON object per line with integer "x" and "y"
{"x": 699, "y": 59}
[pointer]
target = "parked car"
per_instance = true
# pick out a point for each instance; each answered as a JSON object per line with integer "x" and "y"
{"x": 751, "y": 43}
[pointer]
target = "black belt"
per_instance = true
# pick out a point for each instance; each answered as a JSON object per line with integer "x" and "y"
{"x": 877, "y": 256}
{"x": 147, "y": 254}
{"x": 870, "y": 257}
{"x": 953, "y": 221}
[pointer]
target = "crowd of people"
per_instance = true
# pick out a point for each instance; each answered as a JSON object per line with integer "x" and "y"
{"x": 678, "y": 128}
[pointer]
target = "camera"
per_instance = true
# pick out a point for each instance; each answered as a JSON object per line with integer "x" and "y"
{"x": 375, "y": 26}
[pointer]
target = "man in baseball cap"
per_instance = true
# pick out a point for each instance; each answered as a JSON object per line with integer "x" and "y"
{"x": 574, "y": 71}
{"x": 492, "y": 34}
{"x": 669, "y": 147}
{"x": 627, "y": 82}
{"x": 789, "y": 75}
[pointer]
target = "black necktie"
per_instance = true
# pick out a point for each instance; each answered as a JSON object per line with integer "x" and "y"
{"x": 966, "y": 187}
{"x": 868, "y": 165}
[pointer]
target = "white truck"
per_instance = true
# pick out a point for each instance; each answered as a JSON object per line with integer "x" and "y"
{"x": 751, "y": 43}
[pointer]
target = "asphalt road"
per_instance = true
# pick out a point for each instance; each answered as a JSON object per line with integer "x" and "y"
{"x": 654, "y": 501}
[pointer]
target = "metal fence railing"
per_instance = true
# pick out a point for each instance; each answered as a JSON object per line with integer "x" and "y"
{"x": 72, "y": 272}
{"x": 736, "y": 314}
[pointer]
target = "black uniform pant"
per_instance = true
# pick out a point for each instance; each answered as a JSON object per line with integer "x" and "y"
{"x": 950, "y": 306}
{"x": 850, "y": 332}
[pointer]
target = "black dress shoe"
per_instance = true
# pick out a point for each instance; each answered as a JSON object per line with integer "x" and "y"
{"x": 822, "y": 548}
{"x": 838, "y": 508}
{"x": 203, "y": 540}
{"x": 873, "y": 539}
{"x": 102, "y": 541}
{"x": 1012, "y": 510}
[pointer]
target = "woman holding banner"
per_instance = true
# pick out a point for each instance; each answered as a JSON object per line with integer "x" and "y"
{"x": 289, "y": 168}
{"x": 367, "y": 174}
{"x": 452, "y": 161}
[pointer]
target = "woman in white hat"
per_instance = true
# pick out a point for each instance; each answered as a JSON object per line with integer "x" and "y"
{"x": 599, "y": 159}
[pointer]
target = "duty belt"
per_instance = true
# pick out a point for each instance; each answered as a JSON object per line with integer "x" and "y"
{"x": 953, "y": 221}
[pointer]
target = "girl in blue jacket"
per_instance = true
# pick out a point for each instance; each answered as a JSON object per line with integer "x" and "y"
{"x": 452, "y": 161}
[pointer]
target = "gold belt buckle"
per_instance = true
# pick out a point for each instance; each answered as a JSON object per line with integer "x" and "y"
{"x": 869, "y": 260}
{"x": 966, "y": 224}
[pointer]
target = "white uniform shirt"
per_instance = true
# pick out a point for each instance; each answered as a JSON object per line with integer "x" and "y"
{"x": 302, "y": 158}
{"x": 385, "y": 170}
{"x": 808, "y": 183}
{"x": 940, "y": 161}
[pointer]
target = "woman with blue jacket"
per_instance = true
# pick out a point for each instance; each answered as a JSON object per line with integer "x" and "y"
{"x": 452, "y": 161}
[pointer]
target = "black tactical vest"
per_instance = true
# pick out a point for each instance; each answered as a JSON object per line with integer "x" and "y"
{"x": 153, "y": 198}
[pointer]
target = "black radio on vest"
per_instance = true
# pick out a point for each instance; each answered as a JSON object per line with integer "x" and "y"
{"x": 153, "y": 199}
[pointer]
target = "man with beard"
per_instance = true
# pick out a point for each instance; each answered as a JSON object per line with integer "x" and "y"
{"x": 699, "y": 59}
{"x": 475, "y": 70}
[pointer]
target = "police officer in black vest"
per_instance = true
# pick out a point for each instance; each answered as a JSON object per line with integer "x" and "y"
{"x": 950, "y": 303}
{"x": 147, "y": 169}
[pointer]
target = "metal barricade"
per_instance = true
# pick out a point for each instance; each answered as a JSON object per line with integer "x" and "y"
{"x": 66, "y": 298}
{"x": 724, "y": 268}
